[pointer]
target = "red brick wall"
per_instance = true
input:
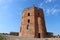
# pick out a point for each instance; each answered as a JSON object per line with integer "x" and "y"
{"x": 37, "y": 23}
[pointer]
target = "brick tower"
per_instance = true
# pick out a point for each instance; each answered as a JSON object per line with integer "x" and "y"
{"x": 33, "y": 23}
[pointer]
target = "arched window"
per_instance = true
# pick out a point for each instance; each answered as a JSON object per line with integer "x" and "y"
{"x": 28, "y": 14}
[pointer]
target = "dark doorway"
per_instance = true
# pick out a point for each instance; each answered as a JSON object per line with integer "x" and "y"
{"x": 38, "y": 35}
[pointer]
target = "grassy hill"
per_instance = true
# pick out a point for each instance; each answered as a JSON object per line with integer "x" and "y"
{"x": 2, "y": 37}
{"x": 10, "y": 37}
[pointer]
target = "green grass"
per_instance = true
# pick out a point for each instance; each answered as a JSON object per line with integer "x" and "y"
{"x": 1, "y": 37}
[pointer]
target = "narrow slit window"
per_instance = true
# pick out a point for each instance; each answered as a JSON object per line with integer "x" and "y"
{"x": 28, "y": 26}
{"x": 28, "y": 20}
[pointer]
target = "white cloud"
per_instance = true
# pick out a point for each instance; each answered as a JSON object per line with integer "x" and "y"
{"x": 41, "y": 4}
{"x": 52, "y": 11}
{"x": 49, "y": 10}
{"x": 48, "y": 1}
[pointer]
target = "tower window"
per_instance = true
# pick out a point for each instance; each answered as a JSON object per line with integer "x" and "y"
{"x": 38, "y": 13}
{"x": 28, "y": 20}
{"x": 28, "y": 14}
{"x": 28, "y": 26}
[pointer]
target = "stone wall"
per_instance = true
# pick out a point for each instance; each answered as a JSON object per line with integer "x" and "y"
{"x": 14, "y": 33}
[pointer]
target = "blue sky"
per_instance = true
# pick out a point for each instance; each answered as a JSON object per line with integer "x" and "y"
{"x": 11, "y": 12}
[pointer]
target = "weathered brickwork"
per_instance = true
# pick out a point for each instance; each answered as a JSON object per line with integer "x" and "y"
{"x": 33, "y": 23}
